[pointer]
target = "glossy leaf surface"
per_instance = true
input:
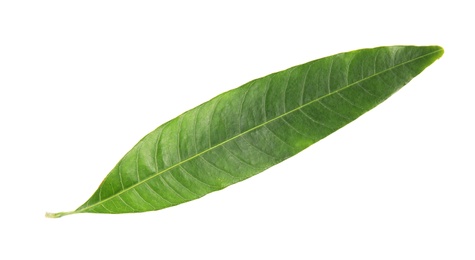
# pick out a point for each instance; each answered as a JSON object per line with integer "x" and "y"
{"x": 246, "y": 130}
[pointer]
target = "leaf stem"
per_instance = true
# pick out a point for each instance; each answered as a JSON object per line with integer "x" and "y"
{"x": 59, "y": 214}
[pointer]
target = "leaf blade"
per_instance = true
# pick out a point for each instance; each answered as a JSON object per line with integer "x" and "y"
{"x": 251, "y": 128}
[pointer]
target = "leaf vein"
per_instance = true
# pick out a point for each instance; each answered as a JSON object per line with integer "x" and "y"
{"x": 295, "y": 129}
{"x": 125, "y": 203}
{"x": 158, "y": 194}
{"x": 165, "y": 182}
{"x": 239, "y": 159}
{"x": 196, "y": 178}
{"x": 218, "y": 168}
{"x": 142, "y": 198}
{"x": 304, "y": 84}
{"x": 316, "y": 121}
{"x": 278, "y": 137}
{"x": 179, "y": 182}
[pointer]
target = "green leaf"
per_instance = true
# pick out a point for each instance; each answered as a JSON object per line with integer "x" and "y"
{"x": 246, "y": 130}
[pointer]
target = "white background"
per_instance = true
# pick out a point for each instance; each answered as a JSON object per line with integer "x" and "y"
{"x": 82, "y": 81}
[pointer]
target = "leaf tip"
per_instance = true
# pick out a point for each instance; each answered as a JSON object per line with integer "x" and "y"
{"x": 440, "y": 50}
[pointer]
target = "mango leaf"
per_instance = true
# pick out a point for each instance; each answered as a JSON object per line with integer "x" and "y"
{"x": 246, "y": 130}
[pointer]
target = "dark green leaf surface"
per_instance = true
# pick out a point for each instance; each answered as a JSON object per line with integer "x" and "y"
{"x": 246, "y": 130}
